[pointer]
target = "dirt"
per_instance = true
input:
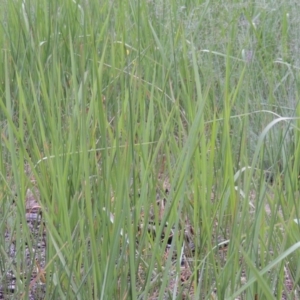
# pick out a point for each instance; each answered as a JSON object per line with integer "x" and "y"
{"x": 31, "y": 274}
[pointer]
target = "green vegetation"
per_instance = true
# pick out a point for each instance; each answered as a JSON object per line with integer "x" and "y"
{"x": 159, "y": 142}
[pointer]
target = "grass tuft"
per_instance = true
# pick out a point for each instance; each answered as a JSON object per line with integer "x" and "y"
{"x": 149, "y": 150}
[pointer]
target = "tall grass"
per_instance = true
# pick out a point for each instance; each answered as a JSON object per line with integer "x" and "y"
{"x": 160, "y": 141}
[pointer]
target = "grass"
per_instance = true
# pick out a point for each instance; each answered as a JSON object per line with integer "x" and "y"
{"x": 159, "y": 141}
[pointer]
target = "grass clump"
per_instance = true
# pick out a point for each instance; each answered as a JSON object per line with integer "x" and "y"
{"x": 149, "y": 150}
